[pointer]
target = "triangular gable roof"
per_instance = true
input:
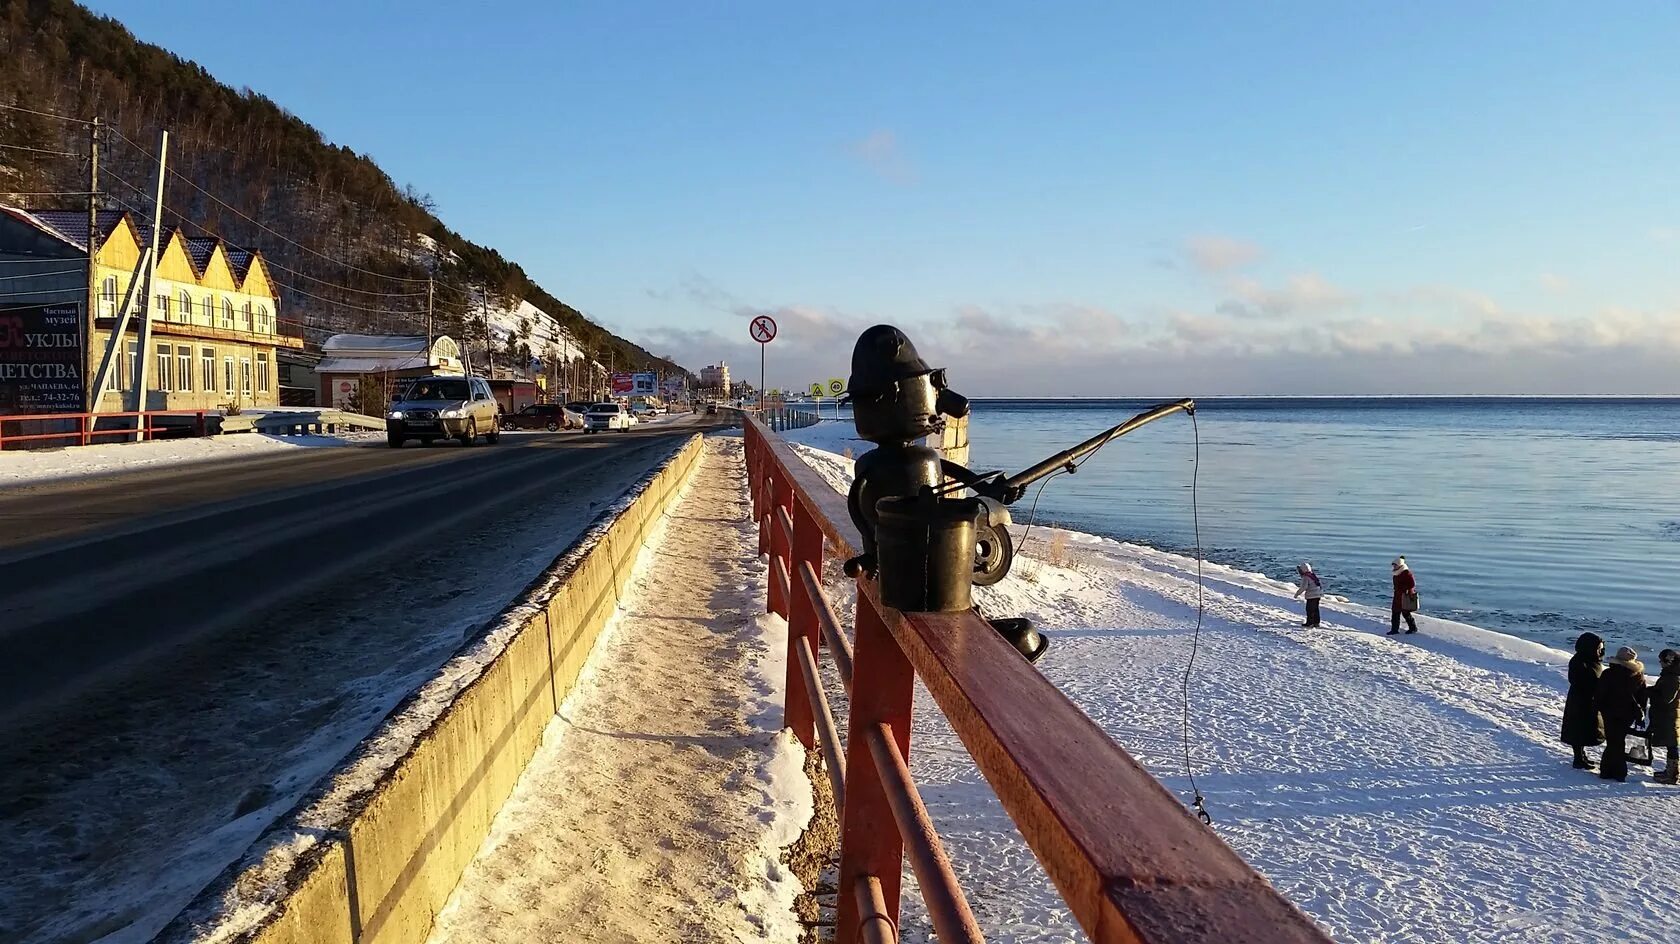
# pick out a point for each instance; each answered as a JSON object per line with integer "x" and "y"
{"x": 200, "y": 249}
{"x": 70, "y": 226}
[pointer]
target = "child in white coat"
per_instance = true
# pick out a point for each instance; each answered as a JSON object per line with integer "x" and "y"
{"x": 1313, "y": 588}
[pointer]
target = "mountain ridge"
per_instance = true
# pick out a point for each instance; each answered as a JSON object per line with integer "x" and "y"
{"x": 348, "y": 245}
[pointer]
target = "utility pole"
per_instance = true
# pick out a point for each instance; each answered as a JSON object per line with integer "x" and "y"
{"x": 489, "y": 342}
{"x": 145, "y": 339}
{"x": 89, "y": 403}
{"x": 430, "y": 337}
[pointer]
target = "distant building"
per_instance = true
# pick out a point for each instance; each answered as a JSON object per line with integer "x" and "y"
{"x": 715, "y": 378}
{"x": 214, "y": 317}
{"x": 347, "y": 358}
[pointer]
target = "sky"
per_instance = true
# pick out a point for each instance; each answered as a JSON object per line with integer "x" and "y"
{"x": 1059, "y": 199}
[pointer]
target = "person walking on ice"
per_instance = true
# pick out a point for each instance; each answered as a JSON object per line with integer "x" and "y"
{"x": 1405, "y": 601}
{"x": 1665, "y": 718}
{"x": 1621, "y": 700}
{"x": 1313, "y": 588}
{"x": 1582, "y": 725}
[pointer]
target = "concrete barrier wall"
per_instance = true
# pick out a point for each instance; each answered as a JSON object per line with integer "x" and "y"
{"x": 376, "y": 866}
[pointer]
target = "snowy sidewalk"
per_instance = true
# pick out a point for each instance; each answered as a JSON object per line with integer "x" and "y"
{"x": 659, "y": 804}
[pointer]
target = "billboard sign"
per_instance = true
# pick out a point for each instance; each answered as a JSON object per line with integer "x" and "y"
{"x": 644, "y": 384}
{"x": 674, "y": 386}
{"x": 623, "y": 384}
{"x": 41, "y": 360}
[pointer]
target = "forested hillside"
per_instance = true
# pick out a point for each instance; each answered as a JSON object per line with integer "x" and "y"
{"x": 348, "y": 244}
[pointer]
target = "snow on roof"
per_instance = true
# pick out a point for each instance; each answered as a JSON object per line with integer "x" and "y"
{"x": 375, "y": 344}
{"x": 371, "y": 365}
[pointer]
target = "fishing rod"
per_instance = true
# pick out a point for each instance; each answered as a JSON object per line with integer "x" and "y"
{"x": 995, "y": 548}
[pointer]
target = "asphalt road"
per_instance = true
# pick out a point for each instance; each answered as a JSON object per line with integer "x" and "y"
{"x": 187, "y": 649}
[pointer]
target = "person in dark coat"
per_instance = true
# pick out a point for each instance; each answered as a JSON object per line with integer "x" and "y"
{"x": 1665, "y": 713}
{"x": 1405, "y": 598}
{"x": 1621, "y": 700}
{"x": 1582, "y": 725}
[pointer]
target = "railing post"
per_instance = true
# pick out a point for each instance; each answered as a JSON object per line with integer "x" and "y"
{"x": 767, "y": 491}
{"x": 802, "y": 623}
{"x": 781, "y": 540}
{"x": 86, "y": 428}
{"x": 883, "y": 684}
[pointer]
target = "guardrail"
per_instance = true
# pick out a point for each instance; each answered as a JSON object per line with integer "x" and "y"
{"x": 86, "y": 431}
{"x": 1130, "y": 861}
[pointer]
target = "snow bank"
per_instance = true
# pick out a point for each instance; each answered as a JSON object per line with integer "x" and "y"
{"x": 27, "y": 466}
{"x": 1399, "y": 789}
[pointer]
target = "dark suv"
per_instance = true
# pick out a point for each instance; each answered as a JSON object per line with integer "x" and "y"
{"x": 549, "y": 416}
{"x": 431, "y": 408}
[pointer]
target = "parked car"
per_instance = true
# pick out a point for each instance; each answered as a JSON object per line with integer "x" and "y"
{"x": 608, "y": 416}
{"x": 431, "y": 408}
{"x": 549, "y": 416}
{"x": 581, "y": 407}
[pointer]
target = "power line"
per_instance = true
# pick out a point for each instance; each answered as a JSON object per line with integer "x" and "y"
{"x": 186, "y": 221}
{"x": 36, "y": 150}
{"x": 294, "y": 289}
{"x": 44, "y": 114}
{"x": 49, "y": 193}
{"x": 79, "y": 270}
{"x": 41, "y": 261}
{"x": 237, "y": 212}
{"x": 336, "y": 302}
{"x": 77, "y": 292}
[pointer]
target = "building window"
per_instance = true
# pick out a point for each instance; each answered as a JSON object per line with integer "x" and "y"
{"x": 165, "y": 367}
{"x": 162, "y": 307}
{"x": 249, "y": 324}
{"x": 245, "y": 375}
{"x": 131, "y": 366}
{"x": 207, "y": 364}
{"x": 227, "y": 312}
{"x": 183, "y": 369}
{"x": 227, "y": 375}
{"x": 209, "y": 308}
{"x": 262, "y": 373}
{"x": 108, "y": 297}
{"x": 186, "y": 307}
{"x": 264, "y": 326}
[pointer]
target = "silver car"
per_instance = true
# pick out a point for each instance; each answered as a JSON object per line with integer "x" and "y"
{"x": 432, "y": 408}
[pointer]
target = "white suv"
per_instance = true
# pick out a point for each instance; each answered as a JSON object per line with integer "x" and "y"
{"x": 608, "y": 416}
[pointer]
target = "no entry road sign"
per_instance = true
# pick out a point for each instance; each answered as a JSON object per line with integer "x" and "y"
{"x": 763, "y": 329}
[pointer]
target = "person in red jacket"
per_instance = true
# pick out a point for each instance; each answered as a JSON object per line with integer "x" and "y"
{"x": 1405, "y": 598}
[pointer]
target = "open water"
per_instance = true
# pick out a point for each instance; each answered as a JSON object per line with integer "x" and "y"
{"x": 1541, "y": 517}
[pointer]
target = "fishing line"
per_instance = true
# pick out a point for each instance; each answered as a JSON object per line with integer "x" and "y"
{"x": 1032, "y": 513}
{"x": 1199, "y": 804}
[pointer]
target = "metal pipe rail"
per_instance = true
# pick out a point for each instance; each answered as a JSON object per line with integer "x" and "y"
{"x": 1130, "y": 861}
{"x": 85, "y": 432}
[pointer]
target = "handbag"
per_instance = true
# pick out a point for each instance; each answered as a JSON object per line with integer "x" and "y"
{"x": 1638, "y": 746}
{"x": 1409, "y": 602}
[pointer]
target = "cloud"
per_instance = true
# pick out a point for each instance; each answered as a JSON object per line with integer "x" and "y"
{"x": 1217, "y": 255}
{"x": 881, "y": 153}
{"x": 1554, "y": 283}
{"x": 1319, "y": 340}
{"x": 1300, "y": 294}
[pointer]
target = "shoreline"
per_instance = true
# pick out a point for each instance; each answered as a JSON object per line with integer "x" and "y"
{"x": 1407, "y": 788}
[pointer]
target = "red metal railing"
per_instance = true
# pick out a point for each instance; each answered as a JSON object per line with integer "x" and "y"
{"x": 87, "y": 430}
{"x": 1130, "y": 861}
